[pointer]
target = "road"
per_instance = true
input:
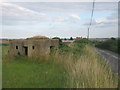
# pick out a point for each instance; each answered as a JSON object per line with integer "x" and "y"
{"x": 111, "y": 59}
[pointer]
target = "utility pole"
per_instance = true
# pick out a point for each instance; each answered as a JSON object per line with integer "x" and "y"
{"x": 88, "y": 36}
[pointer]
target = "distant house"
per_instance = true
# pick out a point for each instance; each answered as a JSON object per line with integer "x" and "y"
{"x": 34, "y": 46}
{"x": 78, "y": 38}
{"x": 68, "y": 42}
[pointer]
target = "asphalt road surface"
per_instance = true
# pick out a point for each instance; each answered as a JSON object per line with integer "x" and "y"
{"x": 111, "y": 59}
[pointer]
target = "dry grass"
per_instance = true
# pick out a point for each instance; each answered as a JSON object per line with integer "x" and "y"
{"x": 90, "y": 71}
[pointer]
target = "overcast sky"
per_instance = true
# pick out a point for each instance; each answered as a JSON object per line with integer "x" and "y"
{"x": 61, "y": 19}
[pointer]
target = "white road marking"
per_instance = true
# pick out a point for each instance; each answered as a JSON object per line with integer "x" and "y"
{"x": 116, "y": 57}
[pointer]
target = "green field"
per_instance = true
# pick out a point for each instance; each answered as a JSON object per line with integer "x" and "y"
{"x": 75, "y": 66}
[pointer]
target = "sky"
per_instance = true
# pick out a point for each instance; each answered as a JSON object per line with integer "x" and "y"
{"x": 58, "y": 19}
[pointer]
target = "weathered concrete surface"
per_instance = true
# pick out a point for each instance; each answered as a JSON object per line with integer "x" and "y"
{"x": 32, "y": 47}
{"x": 111, "y": 59}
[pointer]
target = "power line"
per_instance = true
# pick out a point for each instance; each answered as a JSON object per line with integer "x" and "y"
{"x": 91, "y": 18}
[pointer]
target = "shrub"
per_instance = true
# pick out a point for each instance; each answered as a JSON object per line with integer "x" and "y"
{"x": 71, "y": 38}
{"x": 111, "y": 44}
{"x": 81, "y": 43}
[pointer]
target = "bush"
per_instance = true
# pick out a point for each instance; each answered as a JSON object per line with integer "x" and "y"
{"x": 81, "y": 43}
{"x": 111, "y": 44}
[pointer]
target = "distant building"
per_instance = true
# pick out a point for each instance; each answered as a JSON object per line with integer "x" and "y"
{"x": 34, "y": 46}
{"x": 78, "y": 38}
{"x": 68, "y": 42}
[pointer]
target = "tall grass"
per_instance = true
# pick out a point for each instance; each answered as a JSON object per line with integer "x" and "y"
{"x": 77, "y": 66}
{"x": 86, "y": 69}
{"x": 90, "y": 71}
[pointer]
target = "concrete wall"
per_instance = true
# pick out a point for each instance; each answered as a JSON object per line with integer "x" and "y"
{"x": 35, "y": 47}
{"x": 16, "y": 47}
{"x": 55, "y": 43}
{"x": 41, "y": 47}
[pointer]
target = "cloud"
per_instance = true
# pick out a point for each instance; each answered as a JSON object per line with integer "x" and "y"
{"x": 76, "y": 17}
{"x": 69, "y": 7}
{"x": 35, "y": 12}
{"x": 100, "y": 20}
{"x": 109, "y": 21}
{"x": 17, "y": 15}
{"x": 66, "y": 18}
{"x": 57, "y": 19}
{"x": 60, "y": 19}
{"x": 15, "y": 10}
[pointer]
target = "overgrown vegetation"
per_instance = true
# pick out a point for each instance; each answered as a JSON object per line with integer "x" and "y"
{"x": 90, "y": 71}
{"x": 111, "y": 44}
{"x": 74, "y": 66}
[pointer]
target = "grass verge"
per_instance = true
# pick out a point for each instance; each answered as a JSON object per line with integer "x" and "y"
{"x": 90, "y": 71}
